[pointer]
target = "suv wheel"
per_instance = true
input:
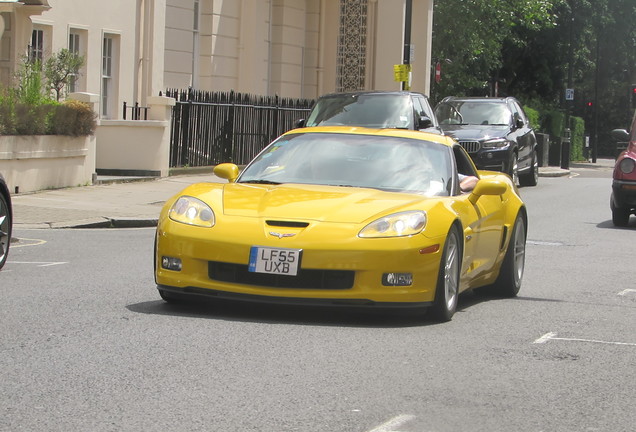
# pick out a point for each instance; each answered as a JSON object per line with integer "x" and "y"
{"x": 532, "y": 177}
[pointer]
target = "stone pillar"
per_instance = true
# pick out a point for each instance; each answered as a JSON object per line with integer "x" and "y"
{"x": 92, "y": 100}
{"x": 160, "y": 107}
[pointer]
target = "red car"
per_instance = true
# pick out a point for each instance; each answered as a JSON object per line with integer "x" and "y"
{"x": 623, "y": 200}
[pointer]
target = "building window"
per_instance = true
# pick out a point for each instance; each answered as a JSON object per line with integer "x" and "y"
{"x": 352, "y": 45}
{"x": 107, "y": 76}
{"x": 36, "y": 49}
{"x": 74, "y": 47}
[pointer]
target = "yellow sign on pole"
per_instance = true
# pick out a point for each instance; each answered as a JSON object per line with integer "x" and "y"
{"x": 401, "y": 72}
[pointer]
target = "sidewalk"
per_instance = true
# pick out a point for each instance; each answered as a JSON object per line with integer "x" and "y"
{"x": 134, "y": 202}
{"x": 116, "y": 203}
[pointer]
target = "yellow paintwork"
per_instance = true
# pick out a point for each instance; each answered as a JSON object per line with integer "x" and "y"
{"x": 335, "y": 215}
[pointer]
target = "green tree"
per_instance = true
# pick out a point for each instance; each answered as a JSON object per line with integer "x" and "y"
{"x": 29, "y": 89}
{"x": 535, "y": 49}
{"x": 60, "y": 69}
{"x": 471, "y": 34}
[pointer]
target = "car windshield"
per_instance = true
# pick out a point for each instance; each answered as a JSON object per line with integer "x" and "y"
{"x": 473, "y": 113}
{"x": 369, "y": 161}
{"x": 368, "y": 110}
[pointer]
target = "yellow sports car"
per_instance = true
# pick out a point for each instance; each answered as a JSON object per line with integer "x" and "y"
{"x": 346, "y": 216}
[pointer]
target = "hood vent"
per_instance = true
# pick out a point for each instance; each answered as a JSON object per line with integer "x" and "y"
{"x": 287, "y": 224}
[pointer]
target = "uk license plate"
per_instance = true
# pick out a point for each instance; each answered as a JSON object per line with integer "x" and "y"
{"x": 274, "y": 260}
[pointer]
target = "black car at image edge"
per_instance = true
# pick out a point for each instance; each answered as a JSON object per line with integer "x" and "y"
{"x": 6, "y": 218}
{"x": 495, "y": 132}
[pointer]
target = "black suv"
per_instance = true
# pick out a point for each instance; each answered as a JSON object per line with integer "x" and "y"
{"x": 496, "y": 134}
{"x": 373, "y": 109}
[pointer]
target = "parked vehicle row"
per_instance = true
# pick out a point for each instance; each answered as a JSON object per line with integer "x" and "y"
{"x": 495, "y": 131}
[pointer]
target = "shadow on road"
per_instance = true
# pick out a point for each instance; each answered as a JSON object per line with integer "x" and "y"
{"x": 608, "y": 224}
{"x": 234, "y": 310}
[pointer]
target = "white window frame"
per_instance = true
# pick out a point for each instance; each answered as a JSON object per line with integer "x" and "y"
{"x": 78, "y": 43}
{"x": 109, "y": 74}
{"x": 36, "y": 45}
{"x": 74, "y": 46}
{"x": 107, "y": 78}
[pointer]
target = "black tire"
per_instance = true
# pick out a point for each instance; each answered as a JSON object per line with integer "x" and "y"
{"x": 532, "y": 177}
{"x": 5, "y": 230}
{"x": 620, "y": 215}
{"x": 447, "y": 289}
{"x": 510, "y": 276}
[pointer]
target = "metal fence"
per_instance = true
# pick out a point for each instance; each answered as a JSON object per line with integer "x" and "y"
{"x": 209, "y": 128}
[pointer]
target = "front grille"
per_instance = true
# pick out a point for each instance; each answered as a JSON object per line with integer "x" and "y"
{"x": 311, "y": 279}
{"x": 471, "y": 146}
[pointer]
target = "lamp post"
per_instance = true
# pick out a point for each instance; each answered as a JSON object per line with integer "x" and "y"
{"x": 406, "y": 58}
{"x": 567, "y": 138}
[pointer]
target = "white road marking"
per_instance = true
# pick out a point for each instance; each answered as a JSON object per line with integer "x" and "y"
{"x": 395, "y": 422}
{"x": 546, "y": 337}
{"x": 552, "y": 336}
{"x": 543, "y": 243}
{"x": 39, "y": 263}
{"x": 628, "y": 290}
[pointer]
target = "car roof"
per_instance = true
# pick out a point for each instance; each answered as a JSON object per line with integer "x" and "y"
{"x": 372, "y": 92}
{"x": 477, "y": 99}
{"x": 357, "y": 130}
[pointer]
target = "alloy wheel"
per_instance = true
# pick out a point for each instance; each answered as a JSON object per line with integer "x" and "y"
{"x": 519, "y": 251}
{"x": 451, "y": 272}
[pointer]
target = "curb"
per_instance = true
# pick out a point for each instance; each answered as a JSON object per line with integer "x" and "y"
{"x": 94, "y": 223}
{"x": 554, "y": 173}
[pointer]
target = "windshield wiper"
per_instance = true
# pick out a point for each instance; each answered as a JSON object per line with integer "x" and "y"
{"x": 260, "y": 182}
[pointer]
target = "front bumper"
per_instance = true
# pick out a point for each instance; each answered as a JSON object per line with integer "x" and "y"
{"x": 491, "y": 159}
{"x": 298, "y": 301}
{"x": 624, "y": 194}
{"x": 367, "y": 259}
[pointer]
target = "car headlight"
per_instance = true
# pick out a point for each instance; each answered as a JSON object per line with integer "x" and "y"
{"x": 627, "y": 165}
{"x": 495, "y": 143}
{"x": 395, "y": 225}
{"x": 192, "y": 211}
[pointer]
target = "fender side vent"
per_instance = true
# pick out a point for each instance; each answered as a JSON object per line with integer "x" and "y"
{"x": 504, "y": 235}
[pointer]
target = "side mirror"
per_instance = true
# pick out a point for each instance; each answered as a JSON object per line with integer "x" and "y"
{"x": 487, "y": 187}
{"x": 300, "y": 123}
{"x": 227, "y": 171}
{"x": 424, "y": 122}
{"x": 517, "y": 121}
{"x": 620, "y": 135}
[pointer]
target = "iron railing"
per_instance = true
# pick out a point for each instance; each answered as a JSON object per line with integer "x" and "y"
{"x": 209, "y": 128}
